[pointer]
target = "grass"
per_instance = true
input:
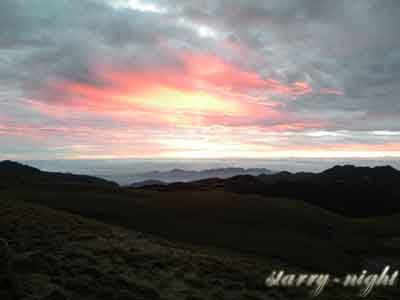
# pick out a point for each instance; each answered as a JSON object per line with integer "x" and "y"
{"x": 57, "y": 255}
{"x": 287, "y": 230}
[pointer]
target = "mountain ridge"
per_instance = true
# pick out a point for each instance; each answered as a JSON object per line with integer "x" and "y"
{"x": 15, "y": 173}
{"x": 348, "y": 190}
{"x": 182, "y": 175}
{"x": 344, "y": 189}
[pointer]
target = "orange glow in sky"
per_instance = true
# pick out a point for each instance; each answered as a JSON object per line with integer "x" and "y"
{"x": 208, "y": 108}
{"x": 150, "y": 78}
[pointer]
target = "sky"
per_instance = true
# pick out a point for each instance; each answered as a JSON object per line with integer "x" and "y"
{"x": 199, "y": 79}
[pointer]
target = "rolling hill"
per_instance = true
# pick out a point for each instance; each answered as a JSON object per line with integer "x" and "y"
{"x": 347, "y": 190}
{"x": 13, "y": 173}
{"x": 223, "y": 213}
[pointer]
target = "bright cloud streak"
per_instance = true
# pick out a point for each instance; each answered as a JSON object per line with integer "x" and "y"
{"x": 138, "y": 5}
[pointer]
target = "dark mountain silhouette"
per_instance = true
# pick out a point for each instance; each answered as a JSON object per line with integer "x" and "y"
{"x": 225, "y": 213}
{"x": 13, "y": 168}
{"x": 147, "y": 183}
{"x": 14, "y": 173}
{"x": 347, "y": 190}
{"x": 362, "y": 174}
{"x": 180, "y": 175}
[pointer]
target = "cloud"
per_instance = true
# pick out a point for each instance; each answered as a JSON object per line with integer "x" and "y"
{"x": 69, "y": 67}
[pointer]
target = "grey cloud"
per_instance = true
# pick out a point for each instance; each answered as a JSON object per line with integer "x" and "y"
{"x": 63, "y": 38}
{"x": 351, "y": 46}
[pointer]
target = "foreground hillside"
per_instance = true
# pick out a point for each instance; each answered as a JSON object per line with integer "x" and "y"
{"x": 268, "y": 227}
{"x": 291, "y": 230}
{"x": 236, "y": 238}
{"x": 46, "y": 254}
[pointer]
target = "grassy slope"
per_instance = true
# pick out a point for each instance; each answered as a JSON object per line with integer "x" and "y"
{"x": 289, "y": 230}
{"x": 54, "y": 255}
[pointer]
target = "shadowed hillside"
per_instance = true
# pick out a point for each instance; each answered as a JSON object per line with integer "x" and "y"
{"x": 46, "y": 254}
{"x": 346, "y": 190}
{"x": 222, "y": 242}
{"x": 13, "y": 173}
{"x": 207, "y": 213}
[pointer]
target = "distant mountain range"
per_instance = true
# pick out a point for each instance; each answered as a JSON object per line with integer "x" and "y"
{"x": 347, "y": 190}
{"x": 146, "y": 183}
{"x": 180, "y": 175}
{"x": 296, "y": 218}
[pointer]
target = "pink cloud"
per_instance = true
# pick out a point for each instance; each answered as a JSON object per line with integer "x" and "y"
{"x": 156, "y": 106}
{"x": 204, "y": 86}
